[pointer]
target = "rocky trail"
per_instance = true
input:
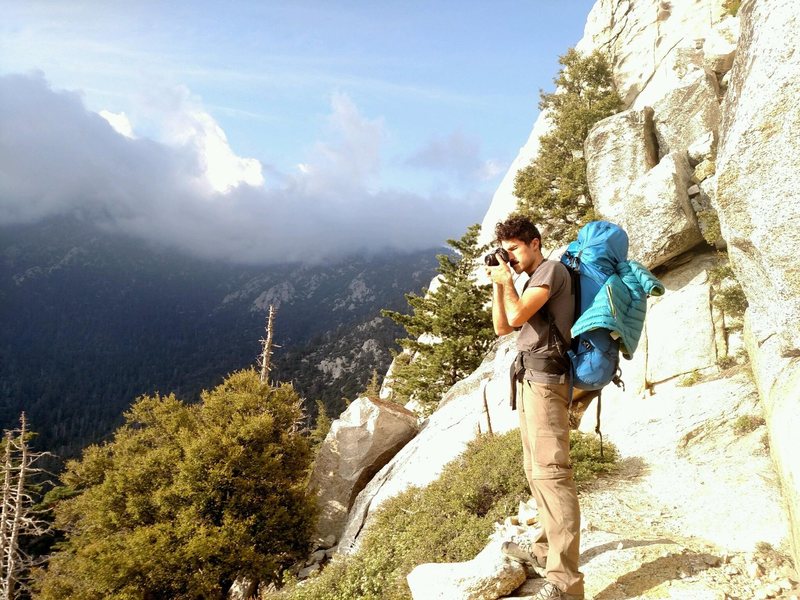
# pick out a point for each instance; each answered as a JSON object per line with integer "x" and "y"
{"x": 635, "y": 546}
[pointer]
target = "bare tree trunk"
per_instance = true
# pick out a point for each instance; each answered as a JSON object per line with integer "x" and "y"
{"x": 266, "y": 353}
{"x": 5, "y": 548}
{"x": 17, "y": 515}
{"x": 18, "y": 511}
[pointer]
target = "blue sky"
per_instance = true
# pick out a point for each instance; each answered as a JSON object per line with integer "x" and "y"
{"x": 333, "y": 110}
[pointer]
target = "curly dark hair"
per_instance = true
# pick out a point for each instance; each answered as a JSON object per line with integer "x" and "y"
{"x": 517, "y": 227}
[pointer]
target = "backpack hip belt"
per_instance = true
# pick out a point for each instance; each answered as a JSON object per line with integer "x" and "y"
{"x": 532, "y": 361}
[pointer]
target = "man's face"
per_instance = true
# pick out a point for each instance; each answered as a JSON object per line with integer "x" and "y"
{"x": 522, "y": 256}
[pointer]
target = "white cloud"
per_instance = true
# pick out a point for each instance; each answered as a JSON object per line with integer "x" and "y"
{"x": 184, "y": 122}
{"x": 192, "y": 191}
{"x": 119, "y": 121}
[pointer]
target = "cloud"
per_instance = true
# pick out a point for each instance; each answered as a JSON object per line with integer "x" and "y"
{"x": 190, "y": 190}
{"x": 455, "y": 154}
{"x": 119, "y": 121}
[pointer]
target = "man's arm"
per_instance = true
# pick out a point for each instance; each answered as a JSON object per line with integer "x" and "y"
{"x": 499, "y": 318}
{"x": 509, "y": 310}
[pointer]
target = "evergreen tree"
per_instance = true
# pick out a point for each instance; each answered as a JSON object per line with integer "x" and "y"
{"x": 553, "y": 190}
{"x": 449, "y": 330}
{"x": 322, "y": 425}
{"x": 184, "y": 499}
{"x": 373, "y": 389}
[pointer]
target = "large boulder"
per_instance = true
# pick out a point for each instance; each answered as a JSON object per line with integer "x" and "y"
{"x": 757, "y": 199}
{"x": 656, "y": 212}
{"x": 488, "y": 576}
{"x": 476, "y": 404}
{"x": 360, "y": 442}
{"x": 687, "y": 112}
{"x": 619, "y": 150}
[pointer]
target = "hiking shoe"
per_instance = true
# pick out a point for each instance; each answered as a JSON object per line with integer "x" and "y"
{"x": 549, "y": 591}
{"x": 516, "y": 552}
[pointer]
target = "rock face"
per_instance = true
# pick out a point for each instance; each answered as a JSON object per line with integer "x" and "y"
{"x": 367, "y": 435}
{"x": 757, "y": 199}
{"x": 758, "y": 163}
{"x": 488, "y": 576}
{"x": 641, "y": 36}
{"x": 686, "y": 306}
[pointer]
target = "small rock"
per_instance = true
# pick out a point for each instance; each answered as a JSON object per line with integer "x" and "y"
{"x": 712, "y": 561}
{"x": 329, "y": 541}
{"x": 317, "y": 557}
{"x": 704, "y": 170}
{"x": 489, "y": 575}
{"x": 620, "y": 546}
{"x": 694, "y": 190}
{"x": 528, "y": 513}
{"x": 308, "y": 571}
{"x": 754, "y": 570}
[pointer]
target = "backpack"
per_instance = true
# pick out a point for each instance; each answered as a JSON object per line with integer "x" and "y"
{"x": 591, "y": 260}
{"x": 594, "y": 354}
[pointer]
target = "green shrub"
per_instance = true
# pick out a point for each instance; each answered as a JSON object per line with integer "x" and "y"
{"x": 710, "y": 226}
{"x": 690, "y": 379}
{"x": 586, "y": 461}
{"x": 448, "y": 521}
{"x": 730, "y": 298}
{"x": 732, "y": 6}
{"x": 747, "y": 423}
{"x": 185, "y": 498}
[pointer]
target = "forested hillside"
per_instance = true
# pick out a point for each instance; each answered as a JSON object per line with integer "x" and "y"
{"x": 89, "y": 322}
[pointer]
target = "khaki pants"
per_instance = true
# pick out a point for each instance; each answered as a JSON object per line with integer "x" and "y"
{"x": 544, "y": 428}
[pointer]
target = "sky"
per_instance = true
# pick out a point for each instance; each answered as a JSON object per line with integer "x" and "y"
{"x": 246, "y": 131}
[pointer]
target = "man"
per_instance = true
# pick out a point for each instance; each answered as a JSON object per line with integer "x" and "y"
{"x": 541, "y": 394}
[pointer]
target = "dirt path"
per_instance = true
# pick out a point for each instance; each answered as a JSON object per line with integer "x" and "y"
{"x": 634, "y": 546}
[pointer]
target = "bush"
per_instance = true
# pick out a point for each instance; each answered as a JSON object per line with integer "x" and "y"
{"x": 747, "y": 423}
{"x": 448, "y": 521}
{"x": 690, "y": 379}
{"x": 186, "y": 498}
{"x": 732, "y": 6}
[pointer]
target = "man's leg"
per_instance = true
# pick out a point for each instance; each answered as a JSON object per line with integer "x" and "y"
{"x": 549, "y": 473}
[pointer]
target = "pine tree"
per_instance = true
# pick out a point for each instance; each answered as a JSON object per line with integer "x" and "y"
{"x": 373, "y": 389}
{"x": 185, "y": 499}
{"x": 322, "y": 425}
{"x": 553, "y": 189}
{"x": 449, "y": 330}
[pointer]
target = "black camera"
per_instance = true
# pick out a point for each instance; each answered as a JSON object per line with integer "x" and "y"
{"x": 491, "y": 258}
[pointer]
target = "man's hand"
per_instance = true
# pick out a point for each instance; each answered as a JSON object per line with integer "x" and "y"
{"x": 502, "y": 273}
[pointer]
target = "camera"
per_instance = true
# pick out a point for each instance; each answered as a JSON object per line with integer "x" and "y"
{"x": 491, "y": 258}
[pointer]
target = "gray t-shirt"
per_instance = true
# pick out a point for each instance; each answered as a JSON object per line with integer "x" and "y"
{"x": 534, "y": 334}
